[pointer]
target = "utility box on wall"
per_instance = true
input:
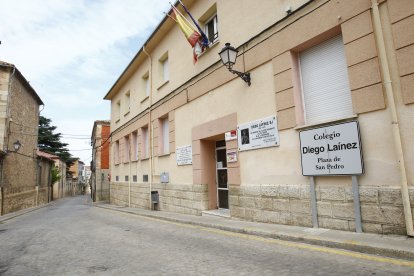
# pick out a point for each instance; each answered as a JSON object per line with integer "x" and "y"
{"x": 165, "y": 177}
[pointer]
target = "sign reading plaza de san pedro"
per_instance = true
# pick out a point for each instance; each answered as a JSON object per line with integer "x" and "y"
{"x": 184, "y": 155}
{"x": 331, "y": 150}
{"x": 258, "y": 134}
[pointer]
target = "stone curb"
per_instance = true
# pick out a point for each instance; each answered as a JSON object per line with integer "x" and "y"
{"x": 320, "y": 241}
{"x": 22, "y": 212}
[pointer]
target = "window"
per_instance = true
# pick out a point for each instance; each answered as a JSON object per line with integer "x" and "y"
{"x": 127, "y": 102}
{"x": 165, "y": 136}
{"x": 145, "y": 142}
{"x": 116, "y": 152}
{"x": 144, "y": 87}
{"x": 147, "y": 85}
{"x": 117, "y": 112}
{"x": 134, "y": 146}
{"x": 325, "y": 85}
{"x": 210, "y": 28}
{"x": 164, "y": 68}
{"x": 126, "y": 149}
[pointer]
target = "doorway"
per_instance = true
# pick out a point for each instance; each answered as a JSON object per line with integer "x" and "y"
{"x": 221, "y": 175}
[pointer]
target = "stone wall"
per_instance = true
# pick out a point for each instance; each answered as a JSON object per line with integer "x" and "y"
{"x": 185, "y": 199}
{"x": 381, "y": 208}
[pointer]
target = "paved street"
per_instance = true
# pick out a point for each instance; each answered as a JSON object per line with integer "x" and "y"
{"x": 71, "y": 237}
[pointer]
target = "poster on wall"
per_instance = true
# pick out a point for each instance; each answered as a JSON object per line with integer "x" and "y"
{"x": 262, "y": 133}
{"x": 331, "y": 150}
{"x": 231, "y": 156}
{"x": 184, "y": 155}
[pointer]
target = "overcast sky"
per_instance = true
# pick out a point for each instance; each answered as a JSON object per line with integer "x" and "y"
{"x": 72, "y": 52}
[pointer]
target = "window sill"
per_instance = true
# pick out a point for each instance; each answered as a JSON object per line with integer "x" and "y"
{"x": 117, "y": 121}
{"x": 144, "y": 99}
{"x": 126, "y": 113}
{"x": 145, "y": 159}
{"x": 212, "y": 45}
{"x": 163, "y": 84}
{"x": 164, "y": 155}
{"x": 326, "y": 122}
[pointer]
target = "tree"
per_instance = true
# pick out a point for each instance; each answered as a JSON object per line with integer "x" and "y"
{"x": 50, "y": 142}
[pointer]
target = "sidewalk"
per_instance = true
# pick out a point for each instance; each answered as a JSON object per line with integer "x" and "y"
{"x": 22, "y": 212}
{"x": 383, "y": 245}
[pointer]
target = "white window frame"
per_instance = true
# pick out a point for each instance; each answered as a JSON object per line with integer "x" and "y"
{"x": 215, "y": 28}
{"x": 116, "y": 152}
{"x": 127, "y": 102}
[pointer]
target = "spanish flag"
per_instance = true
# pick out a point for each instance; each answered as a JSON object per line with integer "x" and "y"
{"x": 192, "y": 35}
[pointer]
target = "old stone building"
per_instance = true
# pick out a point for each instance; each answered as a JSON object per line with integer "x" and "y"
{"x": 100, "y": 161}
{"x": 20, "y": 178}
{"x": 58, "y": 188}
{"x": 321, "y": 135}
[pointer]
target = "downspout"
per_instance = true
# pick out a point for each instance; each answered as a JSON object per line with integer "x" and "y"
{"x": 129, "y": 174}
{"x": 150, "y": 129}
{"x": 379, "y": 36}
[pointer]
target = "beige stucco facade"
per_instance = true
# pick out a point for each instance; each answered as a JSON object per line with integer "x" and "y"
{"x": 204, "y": 101}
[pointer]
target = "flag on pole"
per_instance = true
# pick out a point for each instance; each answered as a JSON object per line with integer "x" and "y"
{"x": 204, "y": 39}
{"x": 192, "y": 35}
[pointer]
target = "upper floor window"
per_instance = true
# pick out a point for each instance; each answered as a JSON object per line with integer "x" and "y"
{"x": 127, "y": 102}
{"x": 127, "y": 149}
{"x": 116, "y": 152}
{"x": 146, "y": 85}
{"x": 117, "y": 112}
{"x": 145, "y": 142}
{"x": 134, "y": 146}
{"x": 165, "y": 135}
{"x": 210, "y": 29}
{"x": 325, "y": 85}
{"x": 164, "y": 68}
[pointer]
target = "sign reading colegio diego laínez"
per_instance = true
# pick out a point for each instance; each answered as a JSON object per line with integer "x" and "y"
{"x": 331, "y": 150}
{"x": 258, "y": 134}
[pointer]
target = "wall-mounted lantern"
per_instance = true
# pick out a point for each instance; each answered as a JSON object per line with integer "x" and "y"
{"x": 228, "y": 56}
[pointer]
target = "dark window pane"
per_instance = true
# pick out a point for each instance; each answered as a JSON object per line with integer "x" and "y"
{"x": 222, "y": 178}
{"x": 221, "y": 157}
{"x": 223, "y": 199}
{"x": 220, "y": 144}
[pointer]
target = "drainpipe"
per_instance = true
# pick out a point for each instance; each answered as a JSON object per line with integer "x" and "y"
{"x": 379, "y": 36}
{"x": 129, "y": 175}
{"x": 150, "y": 129}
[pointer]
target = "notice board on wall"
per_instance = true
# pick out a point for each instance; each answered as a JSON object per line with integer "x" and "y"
{"x": 257, "y": 134}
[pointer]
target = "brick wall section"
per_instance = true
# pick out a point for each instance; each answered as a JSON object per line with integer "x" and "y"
{"x": 381, "y": 208}
{"x": 104, "y": 160}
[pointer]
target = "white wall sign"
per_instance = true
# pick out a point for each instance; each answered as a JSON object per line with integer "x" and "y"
{"x": 258, "y": 134}
{"x": 331, "y": 150}
{"x": 184, "y": 155}
{"x": 231, "y": 135}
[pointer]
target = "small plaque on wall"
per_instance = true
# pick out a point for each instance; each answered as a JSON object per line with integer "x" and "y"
{"x": 231, "y": 156}
{"x": 184, "y": 155}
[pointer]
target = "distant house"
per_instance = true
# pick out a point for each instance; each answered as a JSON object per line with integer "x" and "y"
{"x": 78, "y": 178}
{"x": 58, "y": 187}
{"x": 100, "y": 161}
{"x": 19, "y": 119}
